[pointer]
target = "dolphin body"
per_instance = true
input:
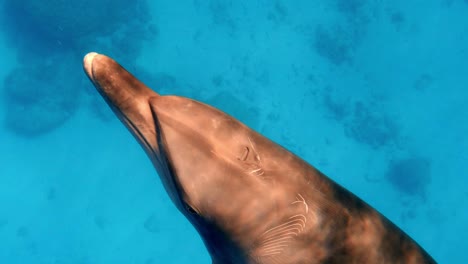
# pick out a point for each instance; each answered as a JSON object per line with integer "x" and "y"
{"x": 251, "y": 200}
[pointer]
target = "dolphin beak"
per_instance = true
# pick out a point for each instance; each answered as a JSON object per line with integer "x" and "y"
{"x": 88, "y": 64}
{"x": 127, "y": 97}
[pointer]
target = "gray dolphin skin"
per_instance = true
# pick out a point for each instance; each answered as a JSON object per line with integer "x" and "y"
{"x": 251, "y": 200}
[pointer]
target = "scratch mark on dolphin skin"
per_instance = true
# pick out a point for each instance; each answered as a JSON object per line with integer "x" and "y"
{"x": 245, "y": 154}
{"x": 274, "y": 240}
{"x": 257, "y": 157}
{"x": 251, "y": 160}
{"x": 301, "y": 199}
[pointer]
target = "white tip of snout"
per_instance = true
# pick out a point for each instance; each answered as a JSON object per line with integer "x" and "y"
{"x": 88, "y": 63}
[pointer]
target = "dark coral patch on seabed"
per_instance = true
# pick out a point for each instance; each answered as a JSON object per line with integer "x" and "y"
{"x": 50, "y": 38}
{"x": 332, "y": 44}
{"x": 371, "y": 127}
{"x": 37, "y": 97}
{"x": 70, "y": 21}
{"x": 410, "y": 175}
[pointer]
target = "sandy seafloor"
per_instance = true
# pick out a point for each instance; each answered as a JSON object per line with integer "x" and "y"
{"x": 86, "y": 193}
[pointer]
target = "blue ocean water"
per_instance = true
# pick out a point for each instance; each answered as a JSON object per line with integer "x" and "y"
{"x": 373, "y": 93}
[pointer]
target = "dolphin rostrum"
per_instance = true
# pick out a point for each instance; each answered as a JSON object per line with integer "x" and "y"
{"x": 251, "y": 200}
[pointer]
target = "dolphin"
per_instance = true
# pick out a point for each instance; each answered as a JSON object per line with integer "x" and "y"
{"x": 251, "y": 200}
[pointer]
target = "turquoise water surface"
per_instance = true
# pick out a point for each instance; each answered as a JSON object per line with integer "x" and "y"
{"x": 373, "y": 93}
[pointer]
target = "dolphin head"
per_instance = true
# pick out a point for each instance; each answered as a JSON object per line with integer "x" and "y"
{"x": 202, "y": 161}
{"x": 251, "y": 200}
